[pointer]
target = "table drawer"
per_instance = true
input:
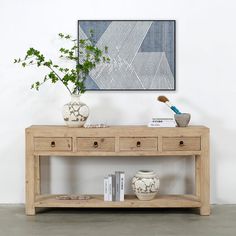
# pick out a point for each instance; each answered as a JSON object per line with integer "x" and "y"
{"x": 138, "y": 144}
{"x": 96, "y": 144}
{"x": 181, "y": 144}
{"x": 52, "y": 144}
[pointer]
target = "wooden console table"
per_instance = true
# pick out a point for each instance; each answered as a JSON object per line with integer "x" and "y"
{"x": 118, "y": 141}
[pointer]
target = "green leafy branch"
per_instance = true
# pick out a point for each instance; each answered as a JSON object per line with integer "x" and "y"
{"x": 83, "y": 53}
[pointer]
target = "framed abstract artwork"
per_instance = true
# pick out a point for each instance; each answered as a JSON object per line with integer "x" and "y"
{"x": 141, "y": 52}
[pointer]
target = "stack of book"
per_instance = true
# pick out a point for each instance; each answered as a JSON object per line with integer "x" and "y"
{"x": 114, "y": 187}
{"x": 162, "y": 122}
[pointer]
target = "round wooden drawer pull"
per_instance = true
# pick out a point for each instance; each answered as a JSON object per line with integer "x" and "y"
{"x": 95, "y": 144}
{"x": 138, "y": 144}
{"x": 53, "y": 144}
{"x": 181, "y": 143}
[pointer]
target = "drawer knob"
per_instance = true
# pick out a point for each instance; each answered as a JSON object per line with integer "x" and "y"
{"x": 181, "y": 143}
{"x": 95, "y": 144}
{"x": 53, "y": 144}
{"x": 138, "y": 144}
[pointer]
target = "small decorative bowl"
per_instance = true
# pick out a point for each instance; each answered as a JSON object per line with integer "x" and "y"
{"x": 182, "y": 119}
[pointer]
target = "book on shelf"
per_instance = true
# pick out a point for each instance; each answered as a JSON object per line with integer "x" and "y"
{"x": 109, "y": 188}
{"x": 117, "y": 174}
{"x": 106, "y": 189}
{"x": 162, "y": 122}
{"x": 122, "y": 186}
{"x": 114, "y": 186}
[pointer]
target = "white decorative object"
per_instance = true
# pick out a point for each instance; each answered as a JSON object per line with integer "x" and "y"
{"x": 145, "y": 184}
{"x": 75, "y": 113}
{"x": 96, "y": 126}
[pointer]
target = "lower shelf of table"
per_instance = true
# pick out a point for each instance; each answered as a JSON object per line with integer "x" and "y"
{"x": 96, "y": 201}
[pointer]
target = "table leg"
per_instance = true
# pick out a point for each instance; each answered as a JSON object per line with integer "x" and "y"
{"x": 37, "y": 175}
{"x": 30, "y": 177}
{"x": 197, "y": 176}
{"x": 205, "y": 176}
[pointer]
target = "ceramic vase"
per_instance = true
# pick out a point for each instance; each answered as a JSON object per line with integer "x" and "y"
{"x": 145, "y": 185}
{"x": 75, "y": 113}
{"x": 182, "y": 119}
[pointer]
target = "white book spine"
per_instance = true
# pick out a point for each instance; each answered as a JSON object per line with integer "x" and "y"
{"x": 122, "y": 186}
{"x": 106, "y": 189}
{"x": 109, "y": 188}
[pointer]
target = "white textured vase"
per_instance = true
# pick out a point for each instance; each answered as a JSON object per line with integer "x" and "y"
{"x": 145, "y": 184}
{"x": 75, "y": 113}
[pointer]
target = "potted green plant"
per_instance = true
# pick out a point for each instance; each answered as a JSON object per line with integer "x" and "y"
{"x": 85, "y": 56}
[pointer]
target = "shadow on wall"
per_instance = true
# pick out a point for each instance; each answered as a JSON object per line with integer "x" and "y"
{"x": 222, "y": 157}
{"x": 45, "y": 174}
{"x": 104, "y": 111}
{"x": 85, "y": 175}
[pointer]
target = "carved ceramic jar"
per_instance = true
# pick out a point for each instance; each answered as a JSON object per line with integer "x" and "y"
{"x": 75, "y": 113}
{"x": 145, "y": 184}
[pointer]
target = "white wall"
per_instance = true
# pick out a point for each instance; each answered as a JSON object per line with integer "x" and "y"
{"x": 206, "y": 62}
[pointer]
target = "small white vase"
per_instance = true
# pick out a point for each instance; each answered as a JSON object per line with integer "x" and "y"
{"x": 75, "y": 113}
{"x": 145, "y": 184}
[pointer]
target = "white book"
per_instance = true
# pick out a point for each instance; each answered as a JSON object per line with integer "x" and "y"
{"x": 163, "y": 119}
{"x": 122, "y": 186}
{"x": 163, "y": 124}
{"x": 106, "y": 189}
{"x": 109, "y": 188}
